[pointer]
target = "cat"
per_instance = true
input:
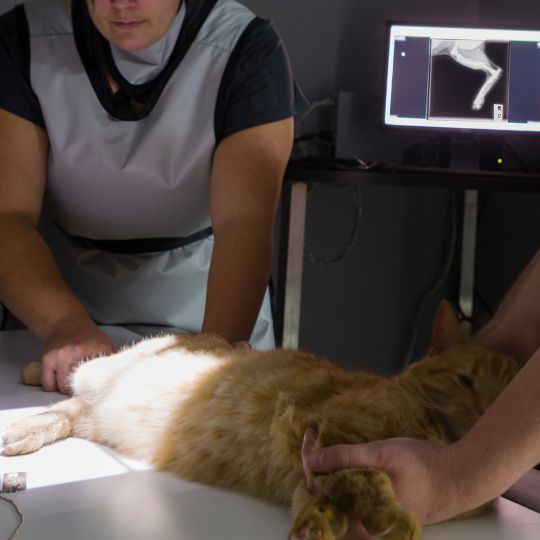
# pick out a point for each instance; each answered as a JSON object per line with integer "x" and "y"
{"x": 192, "y": 405}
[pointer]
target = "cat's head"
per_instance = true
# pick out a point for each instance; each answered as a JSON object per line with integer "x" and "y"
{"x": 457, "y": 381}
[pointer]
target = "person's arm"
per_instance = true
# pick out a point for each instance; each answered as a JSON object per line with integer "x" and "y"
{"x": 30, "y": 284}
{"x": 515, "y": 327}
{"x": 247, "y": 174}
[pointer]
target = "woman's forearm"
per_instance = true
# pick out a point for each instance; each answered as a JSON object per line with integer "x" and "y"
{"x": 504, "y": 444}
{"x": 247, "y": 173}
{"x": 239, "y": 275}
{"x": 31, "y": 286}
{"x": 515, "y": 326}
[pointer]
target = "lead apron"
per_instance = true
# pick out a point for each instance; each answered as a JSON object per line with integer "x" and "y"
{"x": 163, "y": 198}
{"x": 162, "y": 289}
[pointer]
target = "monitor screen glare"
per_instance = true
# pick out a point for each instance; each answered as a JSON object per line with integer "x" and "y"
{"x": 463, "y": 78}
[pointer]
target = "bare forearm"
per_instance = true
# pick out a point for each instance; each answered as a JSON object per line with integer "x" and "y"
{"x": 239, "y": 274}
{"x": 515, "y": 327}
{"x": 30, "y": 283}
{"x": 247, "y": 172}
{"x": 505, "y": 443}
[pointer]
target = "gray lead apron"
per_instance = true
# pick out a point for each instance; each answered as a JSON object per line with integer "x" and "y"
{"x": 114, "y": 180}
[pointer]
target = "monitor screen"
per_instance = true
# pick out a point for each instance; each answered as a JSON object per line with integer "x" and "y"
{"x": 463, "y": 78}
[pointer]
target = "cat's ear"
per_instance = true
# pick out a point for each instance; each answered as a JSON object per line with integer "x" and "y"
{"x": 446, "y": 331}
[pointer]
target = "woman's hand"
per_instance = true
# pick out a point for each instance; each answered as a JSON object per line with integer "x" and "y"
{"x": 242, "y": 345}
{"x": 71, "y": 343}
{"x": 421, "y": 472}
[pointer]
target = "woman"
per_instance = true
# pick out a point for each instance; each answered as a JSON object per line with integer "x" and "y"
{"x": 151, "y": 136}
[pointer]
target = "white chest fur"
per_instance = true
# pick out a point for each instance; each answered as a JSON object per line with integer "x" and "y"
{"x": 133, "y": 395}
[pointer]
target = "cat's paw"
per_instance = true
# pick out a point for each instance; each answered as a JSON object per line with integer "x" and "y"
{"x": 321, "y": 521}
{"x": 308, "y": 531}
{"x": 17, "y": 441}
{"x": 405, "y": 528}
{"x": 30, "y": 434}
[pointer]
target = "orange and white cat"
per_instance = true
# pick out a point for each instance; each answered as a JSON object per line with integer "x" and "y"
{"x": 236, "y": 418}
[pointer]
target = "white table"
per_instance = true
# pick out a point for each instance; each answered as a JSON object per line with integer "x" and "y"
{"x": 77, "y": 490}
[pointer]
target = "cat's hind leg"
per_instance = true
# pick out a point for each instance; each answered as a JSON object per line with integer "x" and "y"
{"x": 33, "y": 432}
{"x": 368, "y": 495}
{"x": 315, "y": 517}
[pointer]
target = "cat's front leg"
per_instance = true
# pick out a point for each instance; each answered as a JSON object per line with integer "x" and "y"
{"x": 33, "y": 432}
{"x": 315, "y": 517}
{"x": 368, "y": 495}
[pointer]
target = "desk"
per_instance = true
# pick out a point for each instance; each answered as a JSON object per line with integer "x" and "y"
{"x": 300, "y": 174}
{"x": 78, "y": 490}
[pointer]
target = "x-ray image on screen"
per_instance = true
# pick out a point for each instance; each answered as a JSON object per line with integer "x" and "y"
{"x": 468, "y": 79}
{"x": 463, "y": 78}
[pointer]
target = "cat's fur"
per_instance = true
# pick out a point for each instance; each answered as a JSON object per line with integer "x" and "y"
{"x": 236, "y": 418}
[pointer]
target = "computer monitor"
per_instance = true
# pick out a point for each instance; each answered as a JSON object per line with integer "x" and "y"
{"x": 452, "y": 78}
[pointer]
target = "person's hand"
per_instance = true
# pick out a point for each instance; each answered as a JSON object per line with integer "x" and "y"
{"x": 242, "y": 345}
{"x": 420, "y": 471}
{"x": 69, "y": 344}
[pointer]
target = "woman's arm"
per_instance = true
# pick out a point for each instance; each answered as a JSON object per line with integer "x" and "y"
{"x": 247, "y": 174}
{"x": 515, "y": 327}
{"x": 30, "y": 284}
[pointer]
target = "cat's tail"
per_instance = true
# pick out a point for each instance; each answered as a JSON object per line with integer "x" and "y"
{"x": 31, "y": 374}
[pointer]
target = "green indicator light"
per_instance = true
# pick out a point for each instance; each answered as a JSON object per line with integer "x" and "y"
{"x": 500, "y": 161}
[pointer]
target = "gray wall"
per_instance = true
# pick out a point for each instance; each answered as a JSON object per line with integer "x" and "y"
{"x": 361, "y": 312}
{"x": 7, "y": 4}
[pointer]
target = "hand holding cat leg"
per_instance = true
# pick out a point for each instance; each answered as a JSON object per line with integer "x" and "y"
{"x": 315, "y": 517}
{"x": 366, "y": 496}
{"x": 33, "y": 432}
{"x": 418, "y": 471}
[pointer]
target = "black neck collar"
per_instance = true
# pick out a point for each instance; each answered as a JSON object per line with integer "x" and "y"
{"x": 96, "y": 56}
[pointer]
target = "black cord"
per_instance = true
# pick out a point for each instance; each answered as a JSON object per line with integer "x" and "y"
{"x": 352, "y": 237}
{"x": 482, "y": 300}
{"x": 439, "y": 281}
{"x": 465, "y": 318}
{"x": 337, "y": 164}
{"x": 4, "y": 318}
{"x": 523, "y": 166}
{"x": 323, "y": 136}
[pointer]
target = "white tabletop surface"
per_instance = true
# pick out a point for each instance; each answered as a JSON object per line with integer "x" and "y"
{"x": 77, "y": 490}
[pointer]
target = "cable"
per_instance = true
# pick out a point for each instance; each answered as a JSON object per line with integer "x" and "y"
{"x": 523, "y": 166}
{"x": 439, "y": 281}
{"x": 485, "y": 305}
{"x": 352, "y": 237}
{"x": 326, "y": 102}
{"x": 4, "y": 318}
{"x": 19, "y": 514}
{"x": 338, "y": 164}
{"x": 323, "y": 135}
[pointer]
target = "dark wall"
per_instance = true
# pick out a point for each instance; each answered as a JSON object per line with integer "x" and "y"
{"x": 311, "y": 30}
{"x": 363, "y": 311}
